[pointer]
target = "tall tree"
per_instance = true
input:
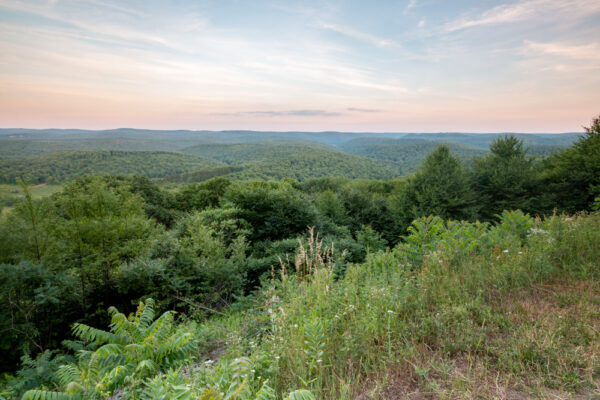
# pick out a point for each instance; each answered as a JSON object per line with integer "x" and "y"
{"x": 440, "y": 187}
{"x": 573, "y": 175}
{"x": 506, "y": 179}
{"x": 99, "y": 227}
{"x": 24, "y": 232}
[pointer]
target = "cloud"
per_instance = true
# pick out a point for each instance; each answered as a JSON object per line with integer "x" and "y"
{"x": 287, "y": 113}
{"x": 358, "y": 35}
{"x": 526, "y": 9}
{"x": 362, "y": 110}
{"x": 590, "y": 51}
{"x": 411, "y": 4}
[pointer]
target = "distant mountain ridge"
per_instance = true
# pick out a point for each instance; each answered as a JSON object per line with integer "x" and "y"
{"x": 55, "y": 155}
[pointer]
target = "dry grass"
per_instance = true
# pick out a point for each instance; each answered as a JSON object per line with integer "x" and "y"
{"x": 560, "y": 319}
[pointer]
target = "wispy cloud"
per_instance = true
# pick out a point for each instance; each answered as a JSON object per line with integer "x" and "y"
{"x": 526, "y": 9}
{"x": 590, "y": 51}
{"x": 362, "y": 110}
{"x": 286, "y": 113}
{"x": 411, "y": 4}
{"x": 358, "y": 35}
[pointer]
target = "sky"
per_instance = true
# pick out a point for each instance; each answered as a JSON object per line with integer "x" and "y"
{"x": 379, "y": 66}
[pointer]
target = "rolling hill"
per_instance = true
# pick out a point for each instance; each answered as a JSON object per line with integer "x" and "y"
{"x": 291, "y": 159}
{"x": 59, "y": 167}
{"x": 407, "y": 154}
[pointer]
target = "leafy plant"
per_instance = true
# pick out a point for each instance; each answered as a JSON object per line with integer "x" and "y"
{"x": 134, "y": 348}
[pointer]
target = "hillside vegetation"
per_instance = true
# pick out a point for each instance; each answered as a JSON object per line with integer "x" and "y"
{"x": 408, "y": 154}
{"x": 59, "y": 167}
{"x": 475, "y": 280}
{"x": 299, "y": 161}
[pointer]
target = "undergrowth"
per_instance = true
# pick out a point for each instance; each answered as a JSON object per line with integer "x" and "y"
{"x": 456, "y": 310}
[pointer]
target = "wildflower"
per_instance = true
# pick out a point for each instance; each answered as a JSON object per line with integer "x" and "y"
{"x": 252, "y": 370}
{"x": 534, "y": 231}
{"x": 319, "y": 360}
{"x": 390, "y": 312}
{"x": 277, "y": 357}
{"x": 295, "y": 325}
{"x": 351, "y": 306}
{"x": 505, "y": 251}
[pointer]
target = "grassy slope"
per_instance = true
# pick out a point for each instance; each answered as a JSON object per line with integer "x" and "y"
{"x": 511, "y": 320}
{"x": 59, "y": 167}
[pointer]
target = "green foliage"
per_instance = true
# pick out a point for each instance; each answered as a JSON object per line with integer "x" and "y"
{"x": 136, "y": 347}
{"x": 506, "y": 179}
{"x": 98, "y": 228}
{"x": 440, "y": 187}
{"x": 25, "y": 230}
{"x": 408, "y": 154}
{"x": 299, "y": 161}
{"x": 201, "y": 196}
{"x": 573, "y": 175}
{"x": 40, "y": 372}
{"x": 273, "y": 210}
{"x": 271, "y": 311}
{"x": 208, "y": 265}
{"x": 34, "y": 304}
{"x": 59, "y": 167}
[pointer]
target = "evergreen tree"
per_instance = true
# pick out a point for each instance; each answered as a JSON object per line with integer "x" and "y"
{"x": 506, "y": 179}
{"x": 440, "y": 187}
{"x": 573, "y": 175}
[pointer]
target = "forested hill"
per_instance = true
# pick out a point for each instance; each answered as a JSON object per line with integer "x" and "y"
{"x": 59, "y": 167}
{"x": 26, "y": 142}
{"x": 49, "y": 156}
{"x": 293, "y": 160}
{"x": 408, "y": 154}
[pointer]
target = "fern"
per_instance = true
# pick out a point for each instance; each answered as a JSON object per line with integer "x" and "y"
{"x": 266, "y": 393}
{"x": 301, "y": 395}
{"x": 45, "y": 395}
{"x": 134, "y": 347}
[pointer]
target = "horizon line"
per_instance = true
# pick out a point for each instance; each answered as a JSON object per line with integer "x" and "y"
{"x": 299, "y": 131}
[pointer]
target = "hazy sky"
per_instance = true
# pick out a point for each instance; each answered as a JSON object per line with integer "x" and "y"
{"x": 408, "y": 65}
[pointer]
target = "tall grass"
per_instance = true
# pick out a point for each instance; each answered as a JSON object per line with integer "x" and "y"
{"x": 439, "y": 293}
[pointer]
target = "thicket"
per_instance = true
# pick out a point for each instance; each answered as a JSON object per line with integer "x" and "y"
{"x": 221, "y": 246}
